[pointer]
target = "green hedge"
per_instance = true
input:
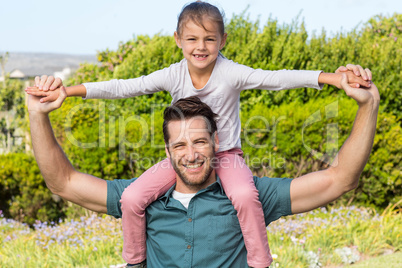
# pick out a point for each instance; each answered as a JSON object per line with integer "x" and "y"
{"x": 294, "y": 139}
{"x": 23, "y": 192}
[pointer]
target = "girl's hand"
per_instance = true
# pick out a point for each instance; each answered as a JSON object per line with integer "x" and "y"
{"x": 48, "y": 96}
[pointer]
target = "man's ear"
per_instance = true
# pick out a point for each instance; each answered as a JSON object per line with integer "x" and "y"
{"x": 216, "y": 141}
{"x": 177, "y": 39}
{"x": 167, "y": 152}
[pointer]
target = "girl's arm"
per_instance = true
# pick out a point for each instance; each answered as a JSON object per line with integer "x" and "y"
{"x": 53, "y": 94}
{"x": 244, "y": 77}
{"x": 49, "y": 88}
{"x": 76, "y": 91}
{"x": 356, "y": 75}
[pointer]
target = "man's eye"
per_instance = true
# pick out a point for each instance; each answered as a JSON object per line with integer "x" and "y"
{"x": 200, "y": 143}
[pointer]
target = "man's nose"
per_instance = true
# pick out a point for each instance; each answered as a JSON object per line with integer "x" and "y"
{"x": 191, "y": 154}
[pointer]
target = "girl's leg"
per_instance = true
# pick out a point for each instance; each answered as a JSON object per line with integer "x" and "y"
{"x": 237, "y": 181}
{"x": 152, "y": 184}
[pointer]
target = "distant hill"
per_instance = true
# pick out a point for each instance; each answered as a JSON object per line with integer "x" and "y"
{"x": 32, "y": 64}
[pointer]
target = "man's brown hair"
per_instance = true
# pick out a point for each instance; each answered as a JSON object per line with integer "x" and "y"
{"x": 187, "y": 108}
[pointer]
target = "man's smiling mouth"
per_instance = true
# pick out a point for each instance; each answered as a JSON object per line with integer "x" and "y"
{"x": 195, "y": 165}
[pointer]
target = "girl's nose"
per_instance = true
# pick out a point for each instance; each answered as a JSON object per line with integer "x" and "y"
{"x": 201, "y": 45}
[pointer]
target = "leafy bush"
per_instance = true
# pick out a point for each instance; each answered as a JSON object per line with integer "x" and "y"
{"x": 12, "y": 113}
{"x": 295, "y": 138}
{"x": 23, "y": 193}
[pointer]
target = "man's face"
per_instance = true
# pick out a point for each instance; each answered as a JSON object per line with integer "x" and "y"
{"x": 191, "y": 150}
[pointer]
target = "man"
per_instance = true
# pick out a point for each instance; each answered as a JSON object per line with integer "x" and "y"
{"x": 207, "y": 232}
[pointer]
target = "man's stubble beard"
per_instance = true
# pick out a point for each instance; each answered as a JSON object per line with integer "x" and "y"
{"x": 193, "y": 184}
{"x": 188, "y": 182}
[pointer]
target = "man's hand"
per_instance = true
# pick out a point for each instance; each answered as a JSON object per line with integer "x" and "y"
{"x": 46, "y": 83}
{"x": 357, "y": 76}
{"x": 47, "y": 87}
{"x": 361, "y": 95}
{"x": 35, "y": 104}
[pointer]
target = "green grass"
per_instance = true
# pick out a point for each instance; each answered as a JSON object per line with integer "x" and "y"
{"x": 321, "y": 238}
{"x": 388, "y": 261}
{"x": 85, "y": 242}
{"x": 339, "y": 236}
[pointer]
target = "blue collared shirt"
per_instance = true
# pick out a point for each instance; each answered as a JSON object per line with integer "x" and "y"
{"x": 207, "y": 234}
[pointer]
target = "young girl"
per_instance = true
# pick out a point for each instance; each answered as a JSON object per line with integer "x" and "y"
{"x": 217, "y": 81}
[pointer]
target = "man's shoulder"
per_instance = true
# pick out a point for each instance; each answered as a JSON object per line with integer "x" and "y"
{"x": 269, "y": 181}
{"x": 269, "y": 187}
{"x": 115, "y": 189}
{"x": 120, "y": 184}
{"x": 274, "y": 195}
{"x": 272, "y": 190}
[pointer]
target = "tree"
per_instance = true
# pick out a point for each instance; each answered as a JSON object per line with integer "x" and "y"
{"x": 3, "y": 61}
{"x": 11, "y": 106}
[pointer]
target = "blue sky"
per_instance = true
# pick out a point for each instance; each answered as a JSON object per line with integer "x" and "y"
{"x": 87, "y": 26}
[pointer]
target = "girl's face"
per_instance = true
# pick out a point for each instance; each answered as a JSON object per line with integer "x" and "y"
{"x": 200, "y": 47}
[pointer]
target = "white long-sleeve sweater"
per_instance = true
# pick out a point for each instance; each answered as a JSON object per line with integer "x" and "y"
{"x": 221, "y": 93}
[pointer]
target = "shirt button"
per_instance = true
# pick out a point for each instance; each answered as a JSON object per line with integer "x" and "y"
{"x": 190, "y": 219}
{"x": 188, "y": 246}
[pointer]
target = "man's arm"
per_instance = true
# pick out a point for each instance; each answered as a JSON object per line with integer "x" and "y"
{"x": 60, "y": 176}
{"x": 319, "y": 188}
